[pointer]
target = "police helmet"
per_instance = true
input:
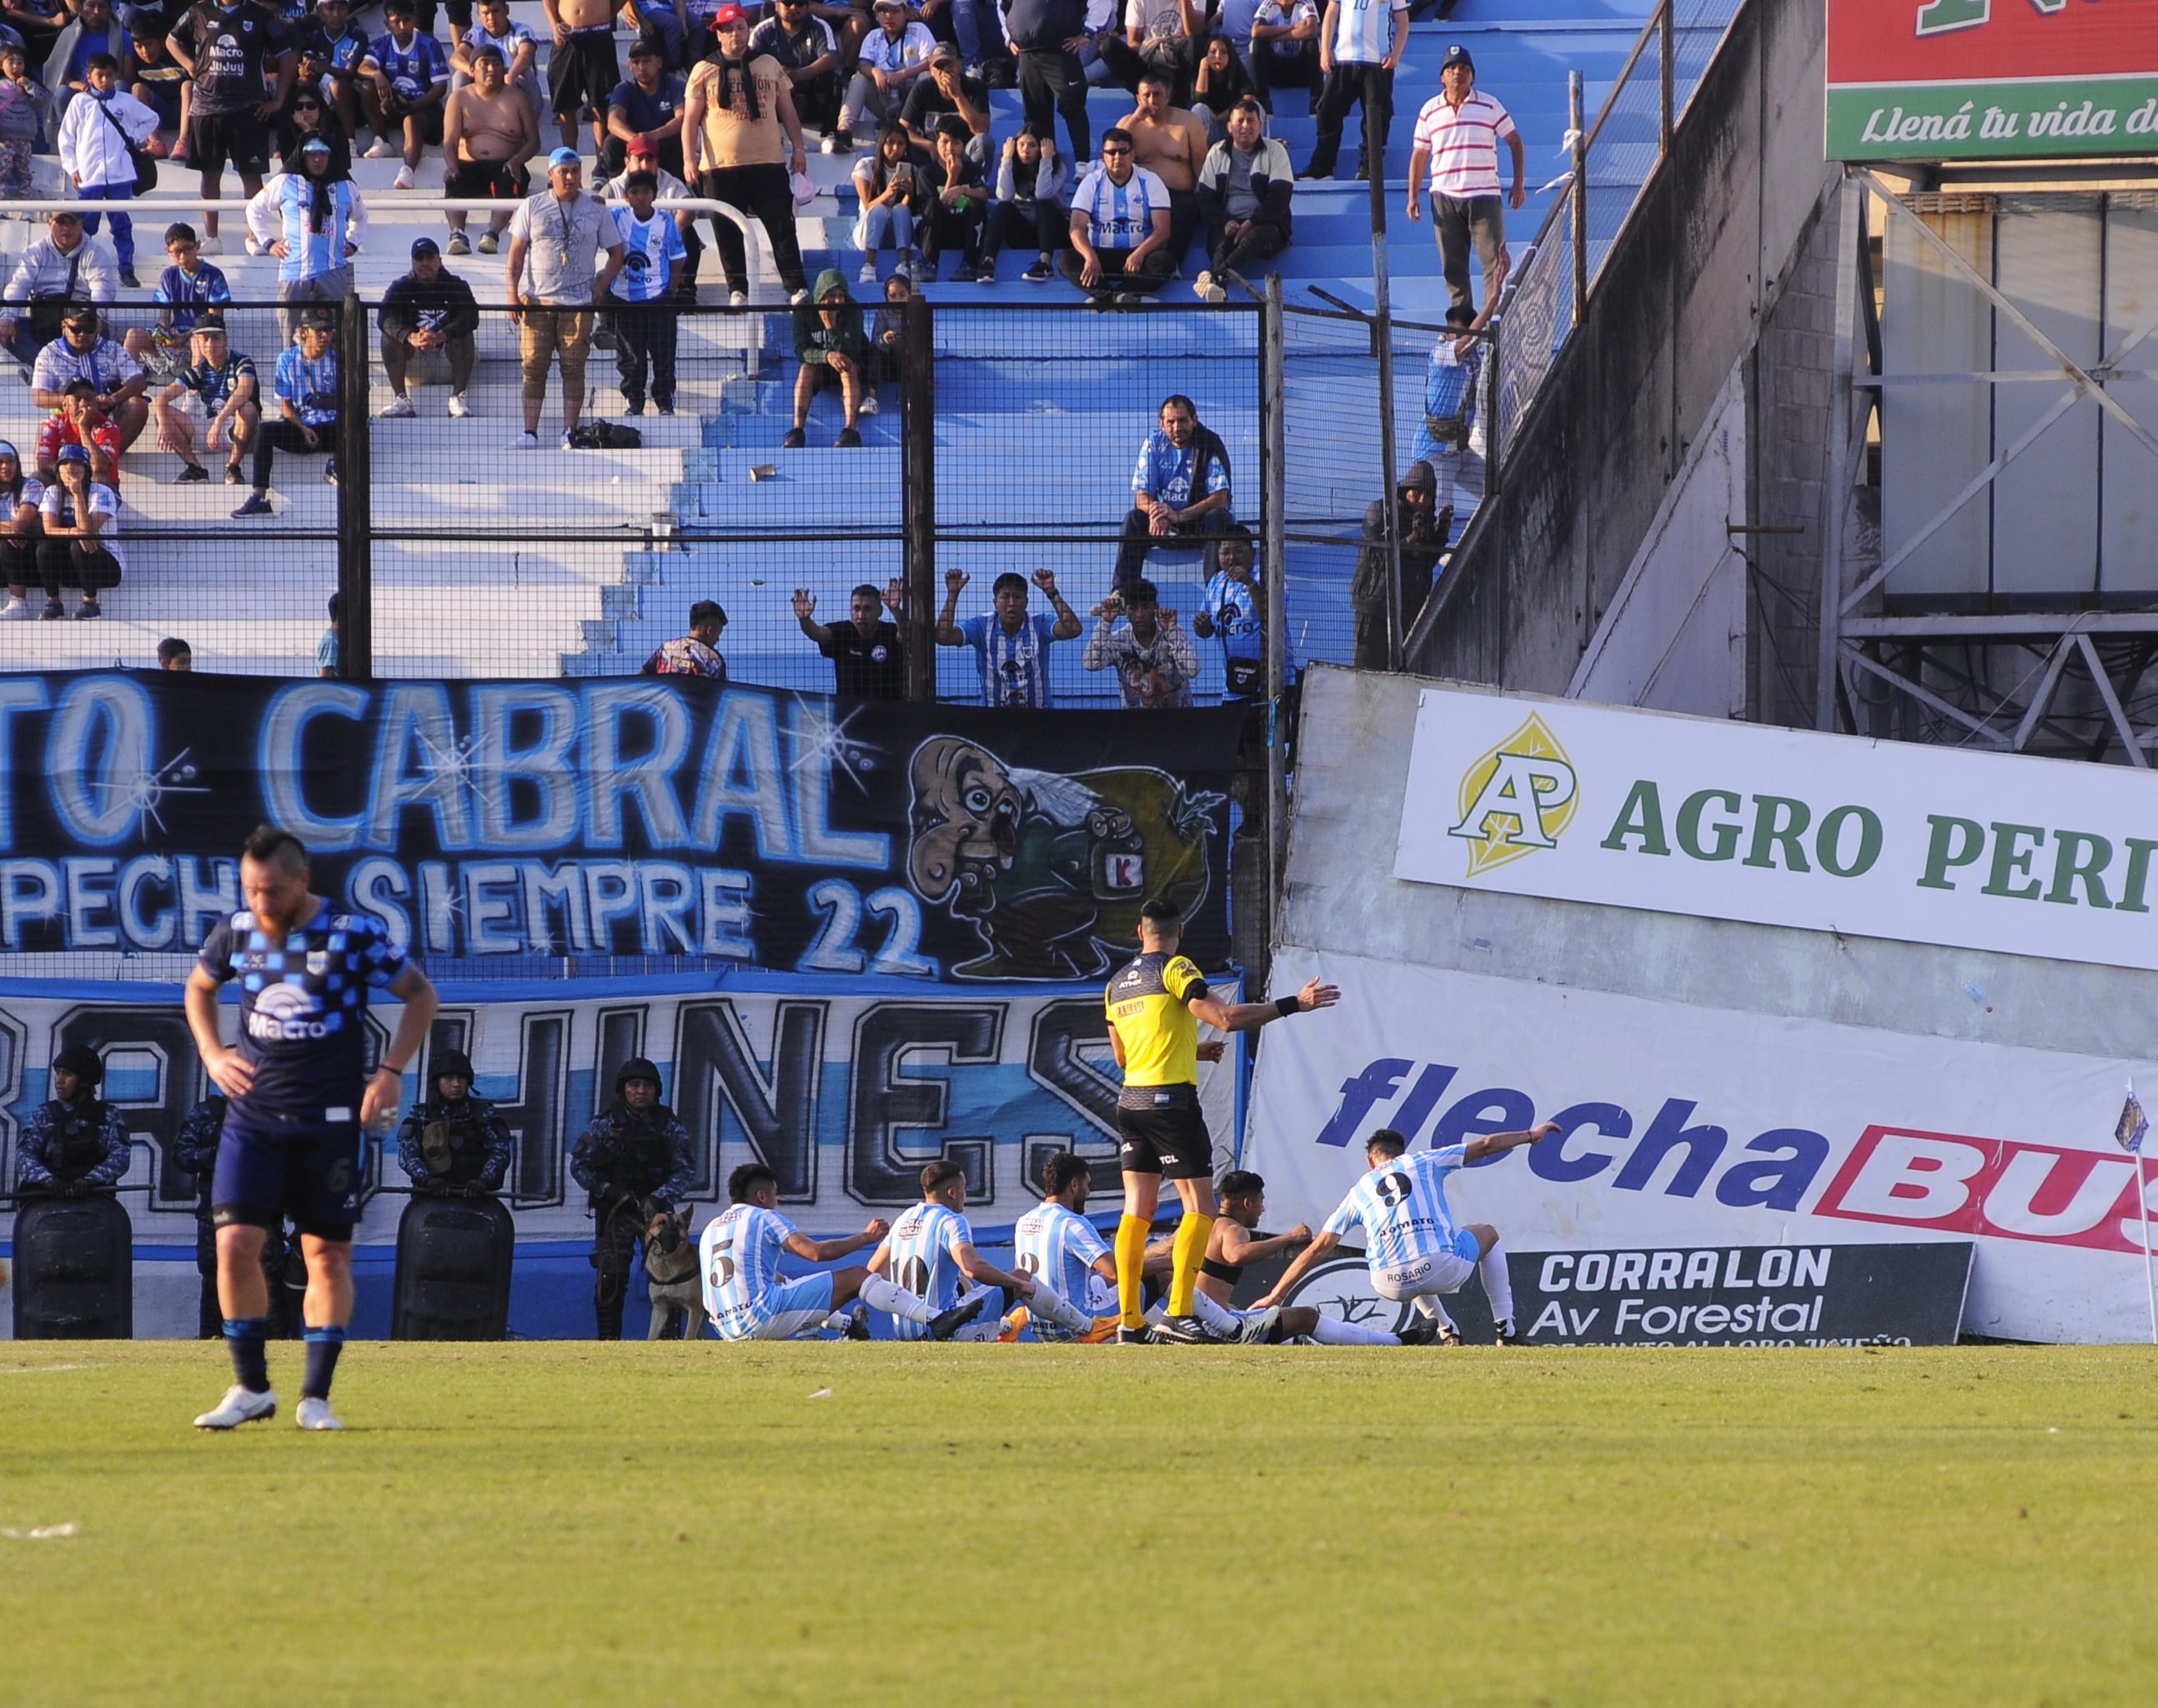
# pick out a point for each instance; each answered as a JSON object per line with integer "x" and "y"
{"x": 636, "y": 1068}
{"x": 82, "y": 1061}
{"x": 449, "y": 1062}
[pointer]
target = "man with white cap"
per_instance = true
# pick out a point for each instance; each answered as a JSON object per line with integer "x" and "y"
{"x": 554, "y": 279}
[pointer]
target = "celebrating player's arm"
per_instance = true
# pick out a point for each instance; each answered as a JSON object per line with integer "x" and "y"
{"x": 831, "y": 1250}
{"x": 971, "y": 1263}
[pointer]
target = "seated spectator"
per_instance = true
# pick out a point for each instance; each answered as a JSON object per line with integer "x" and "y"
{"x": 804, "y": 44}
{"x": 313, "y": 222}
{"x": 662, "y": 26}
{"x": 159, "y": 82}
{"x": 644, "y": 325}
{"x": 1284, "y": 47}
{"x": 887, "y": 186}
{"x": 1180, "y": 488}
{"x": 80, "y": 518}
{"x": 327, "y": 648}
{"x": 430, "y": 308}
{"x": 1119, "y": 228}
{"x": 520, "y": 52}
{"x": 19, "y": 496}
{"x": 892, "y": 58}
{"x": 1159, "y": 35}
{"x": 1422, "y": 527}
{"x": 834, "y": 353}
{"x": 188, "y": 286}
{"x": 947, "y": 92}
{"x": 1010, "y": 646}
{"x": 1244, "y": 192}
{"x": 341, "y": 58}
{"x": 649, "y": 104}
{"x": 739, "y": 133}
{"x": 453, "y": 1142}
{"x": 1232, "y": 610}
{"x": 74, "y": 1143}
{"x": 174, "y": 653}
{"x": 61, "y": 267}
{"x": 22, "y": 103}
{"x": 306, "y": 118}
{"x": 958, "y": 207}
{"x": 220, "y": 389}
{"x": 305, "y": 397}
{"x": 115, "y": 377}
{"x": 696, "y": 654}
{"x": 489, "y": 131}
{"x": 1171, "y": 143}
{"x": 1029, "y": 207}
{"x": 888, "y": 339}
{"x": 867, "y": 654}
{"x": 37, "y": 23}
{"x": 1154, "y": 659}
{"x": 79, "y": 421}
{"x": 1220, "y": 83}
{"x": 412, "y": 81}
{"x": 94, "y": 138}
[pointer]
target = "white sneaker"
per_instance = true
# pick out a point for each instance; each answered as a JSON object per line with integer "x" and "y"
{"x": 15, "y": 610}
{"x": 568, "y": 444}
{"x": 869, "y": 272}
{"x": 1205, "y": 288}
{"x": 316, "y": 1414}
{"x": 382, "y": 149}
{"x": 525, "y": 441}
{"x": 398, "y": 408}
{"x": 212, "y": 245}
{"x": 405, "y": 179}
{"x": 458, "y": 407}
{"x": 869, "y": 404}
{"x": 737, "y": 299}
{"x": 240, "y": 1406}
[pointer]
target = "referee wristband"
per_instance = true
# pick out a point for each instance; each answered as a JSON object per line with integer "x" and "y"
{"x": 1285, "y": 1006}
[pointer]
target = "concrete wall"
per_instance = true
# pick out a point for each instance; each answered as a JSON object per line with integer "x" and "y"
{"x": 1679, "y": 305}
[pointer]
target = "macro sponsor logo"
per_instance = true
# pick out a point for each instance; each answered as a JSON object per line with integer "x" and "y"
{"x": 285, "y": 1014}
{"x": 1995, "y": 1188}
{"x": 1518, "y": 798}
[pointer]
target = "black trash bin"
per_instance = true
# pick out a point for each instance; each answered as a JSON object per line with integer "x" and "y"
{"x": 453, "y": 1259}
{"x": 74, "y": 1269}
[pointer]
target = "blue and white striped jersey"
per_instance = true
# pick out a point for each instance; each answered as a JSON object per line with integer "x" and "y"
{"x": 1061, "y": 1249}
{"x": 1363, "y": 30}
{"x": 1401, "y": 1207}
{"x": 649, "y": 250}
{"x": 738, "y": 1258}
{"x": 925, "y": 1246}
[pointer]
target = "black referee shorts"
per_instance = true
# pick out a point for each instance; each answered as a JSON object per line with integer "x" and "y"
{"x": 1169, "y": 1139}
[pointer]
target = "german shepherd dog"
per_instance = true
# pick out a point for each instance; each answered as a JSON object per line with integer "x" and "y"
{"x": 671, "y": 1265}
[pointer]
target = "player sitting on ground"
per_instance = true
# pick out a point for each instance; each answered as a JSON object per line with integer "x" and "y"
{"x": 931, "y": 1251}
{"x": 1410, "y": 1241}
{"x": 738, "y": 1258}
{"x": 1056, "y": 1244}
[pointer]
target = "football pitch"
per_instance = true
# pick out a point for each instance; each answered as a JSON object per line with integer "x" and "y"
{"x": 837, "y": 1523}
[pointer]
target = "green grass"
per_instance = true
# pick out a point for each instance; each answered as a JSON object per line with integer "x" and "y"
{"x": 534, "y": 1524}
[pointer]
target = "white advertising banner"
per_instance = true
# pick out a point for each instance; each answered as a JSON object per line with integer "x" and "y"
{"x": 1890, "y": 839}
{"x": 1689, "y": 1127}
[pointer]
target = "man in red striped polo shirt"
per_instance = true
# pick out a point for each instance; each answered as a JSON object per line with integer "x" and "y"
{"x": 1456, "y": 140}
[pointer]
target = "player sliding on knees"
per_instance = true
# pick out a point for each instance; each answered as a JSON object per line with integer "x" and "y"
{"x": 930, "y": 1251}
{"x": 1155, "y": 1005}
{"x": 1415, "y": 1250}
{"x": 738, "y": 1255}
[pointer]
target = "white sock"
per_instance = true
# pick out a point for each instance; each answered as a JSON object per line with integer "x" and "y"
{"x": 1497, "y": 1286}
{"x": 880, "y": 1295}
{"x": 1332, "y": 1331}
{"x": 1050, "y": 1306}
{"x": 1428, "y": 1303}
{"x": 1215, "y": 1314}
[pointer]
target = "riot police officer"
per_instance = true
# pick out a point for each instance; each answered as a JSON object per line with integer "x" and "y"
{"x": 453, "y": 1142}
{"x": 75, "y": 1144}
{"x": 635, "y": 1160}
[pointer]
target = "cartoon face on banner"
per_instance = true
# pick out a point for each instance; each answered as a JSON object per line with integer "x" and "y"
{"x": 1050, "y": 871}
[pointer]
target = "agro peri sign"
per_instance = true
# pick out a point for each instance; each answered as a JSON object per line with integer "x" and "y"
{"x": 1965, "y": 79}
{"x": 1599, "y": 804}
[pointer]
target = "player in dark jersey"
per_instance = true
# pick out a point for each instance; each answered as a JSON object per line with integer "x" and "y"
{"x": 300, "y": 1096}
{"x": 1155, "y": 1004}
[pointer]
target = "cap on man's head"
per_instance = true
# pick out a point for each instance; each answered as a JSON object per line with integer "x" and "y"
{"x": 57, "y": 214}
{"x": 643, "y": 47}
{"x": 563, "y": 156}
{"x": 422, "y": 247}
{"x": 943, "y": 53}
{"x": 1457, "y": 55}
{"x": 890, "y": 5}
{"x": 729, "y": 14}
{"x": 79, "y": 314}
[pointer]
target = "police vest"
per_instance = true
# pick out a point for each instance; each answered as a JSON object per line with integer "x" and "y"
{"x": 77, "y": 1145}
{"x": 644, "y": 1154}
{"x": 453, "y": 1140}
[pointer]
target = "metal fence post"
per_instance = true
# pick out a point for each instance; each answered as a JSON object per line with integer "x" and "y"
{"x": 1667, "y": 43}
{"x": 354, "y": 498}
{"x": 1576, "y": 121}
{"x": 918, "y": 431}
{"x": 1274, "y": 529}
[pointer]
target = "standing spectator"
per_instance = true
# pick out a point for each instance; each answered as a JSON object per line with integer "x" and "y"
{"x": 887, "y": 185}
{"x": 1244, "y": 192}
{"x": 220, "y": 389}
{"x": 80, "y": 520}
{"x": 829, "y": 344}
{"x": 453, "y": 1142}
{"x": 410, "y": 82}
{"x": 804, "y": 42}
{"x": 1284, "y": 47}
{"x": 1171, "y": 143}
{"x": 1449, "y": 418}
{"x": 1159, "y": 35}
{"x": 327, "y": 648}
{"x": 489, "y": 131}
{"x": 647, "y": 105}
{"x": 696, "y": 654}
{"x": 1457, "y": 138}
{"x": 62, "y": 266}
{"x": 430, "y": 308}
{"x": 74, "y": 1143}
{"x": 1359, "y": 44}
{"x": 644, "y": 325}
{"x": 1180, "y": 488}
{"x": 643, "y": 156}
{"x": 313, "y": 222}
{"x": 582, "y": 70}
{"x": 977, "y": 27}
{"x": 195, "y": 1150}
{"x": 561, "y": 232}
{"x": 20, "y": 494}
{"x": 513, "y": 41}
{"x": 739, "y": 131}
{"x": 634, "y": 1158}
{"x": 344, "y": 58}
{"x": 1047, "y": 37}
{"x": 959, "y": 205}
{"x": 1028, "y": 208}
{"x": 663, "y": 25}
{"x": 1220, "y": 83}
{"x": 23, "y": 102}
{"x": 867, "y": 654}
{"x": 231, "y": 55}
{"x": 305, "y": 394}
{"x": 1119, "y": 228}
{"x": 95, "y": 138}
{"x": 893, "y": 55}
{"x": 1231, "y": 611}
{"x": 1010, "y": 645}
{"x": 174, "y": 653}
{"x": 1153, "y": 658}
{"x": 947, "y": 92}
{"x": 1423, "y": 537}
{"x": 82, "y": 352}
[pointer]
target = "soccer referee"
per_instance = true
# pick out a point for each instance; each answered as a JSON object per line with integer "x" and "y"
{"x": 1156, "y": 1005}
{"x": 299, "y": 1096}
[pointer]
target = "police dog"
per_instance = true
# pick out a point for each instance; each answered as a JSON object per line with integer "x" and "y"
{"x": 670, "y": 1266}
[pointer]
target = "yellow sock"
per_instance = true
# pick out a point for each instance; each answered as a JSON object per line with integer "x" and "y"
{"x": 1192, "y": 1234}
{"x": 1131, "y": 1259}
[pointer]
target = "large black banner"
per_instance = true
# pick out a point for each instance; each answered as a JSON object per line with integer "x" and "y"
{"x": 778, "y": 830}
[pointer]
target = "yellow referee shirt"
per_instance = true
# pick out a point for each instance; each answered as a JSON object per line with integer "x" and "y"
{"x": 1148, "y": 1004}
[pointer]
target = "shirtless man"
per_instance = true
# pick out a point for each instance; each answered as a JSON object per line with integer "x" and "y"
{"x": 1171, "y": 143}
{"x": 489, "y": 131}
{"x": 583, "y": 70}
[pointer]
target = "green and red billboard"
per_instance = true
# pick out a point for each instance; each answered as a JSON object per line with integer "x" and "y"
{"x": 1991, "y": 79}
